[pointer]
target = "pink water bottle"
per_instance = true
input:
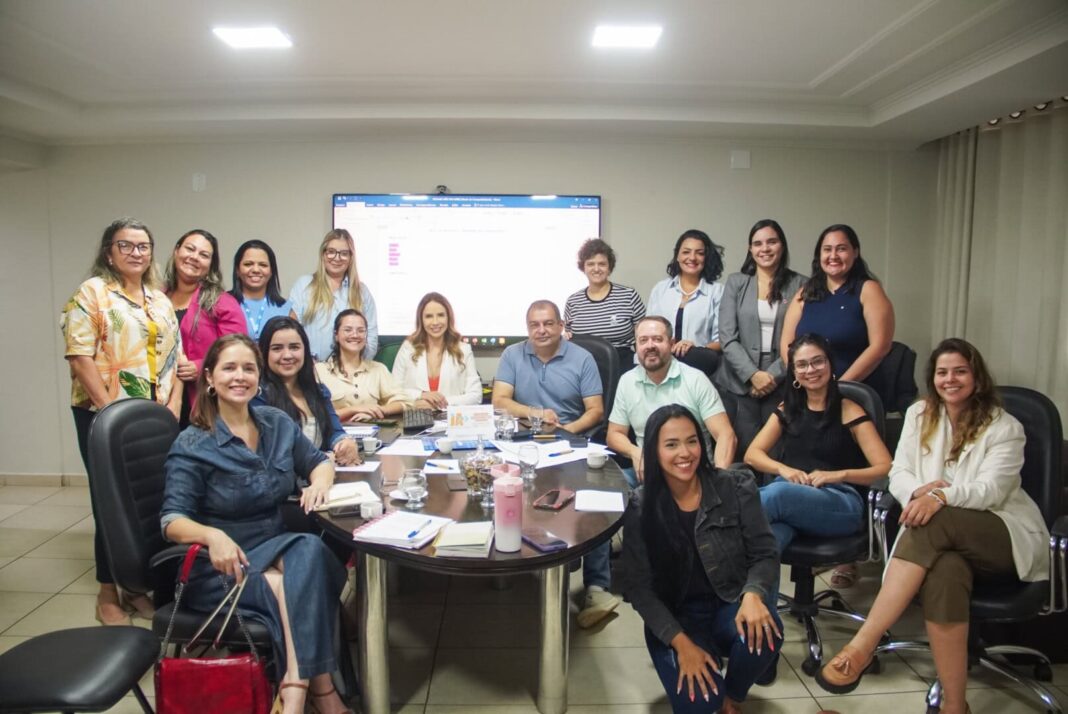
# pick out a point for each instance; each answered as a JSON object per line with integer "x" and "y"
{"x": 508, "y": 513}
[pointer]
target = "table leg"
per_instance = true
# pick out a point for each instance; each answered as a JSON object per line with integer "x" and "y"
{"x": 373, "y": 644}
{"x": 552, "y": 672}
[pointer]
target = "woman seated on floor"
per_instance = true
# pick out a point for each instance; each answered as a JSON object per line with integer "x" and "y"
{"x": 700, "y": 569}
{"x": 957, "y": 474}
{"x": 227, "y": 476}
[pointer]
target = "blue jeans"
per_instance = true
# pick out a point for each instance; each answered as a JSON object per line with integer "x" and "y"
{"x": 792, "y": 508}
{"x": 710, "y": 624}
{"x": 595, "y": 567}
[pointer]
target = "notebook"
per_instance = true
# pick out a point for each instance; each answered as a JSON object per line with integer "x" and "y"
{"x": 349, "y": 493}
{"x": 465, "y": 540}
{"x": 402, "y": 529}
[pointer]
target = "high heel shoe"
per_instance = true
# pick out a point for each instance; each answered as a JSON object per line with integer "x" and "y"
{"x": 314, "y": 707}
{"x": 277, "y": 707}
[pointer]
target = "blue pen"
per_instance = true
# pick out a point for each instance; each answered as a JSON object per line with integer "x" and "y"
{"x": 437, "y": 466}
{"x": 414, "y": 533}
{"x": 561, "y": 453}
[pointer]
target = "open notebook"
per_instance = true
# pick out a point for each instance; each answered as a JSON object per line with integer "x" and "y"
{"x": 401, "y": 529}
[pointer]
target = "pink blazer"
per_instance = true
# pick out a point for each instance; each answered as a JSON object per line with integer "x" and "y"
{"x": 226, "y": 319}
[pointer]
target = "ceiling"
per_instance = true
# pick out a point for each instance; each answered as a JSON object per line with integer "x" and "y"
{"x": 888, "y": 72}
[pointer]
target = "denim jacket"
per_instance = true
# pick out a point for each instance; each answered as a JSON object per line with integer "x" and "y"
{"x": 734, "y": 543}
{"x": 214, "y": 479}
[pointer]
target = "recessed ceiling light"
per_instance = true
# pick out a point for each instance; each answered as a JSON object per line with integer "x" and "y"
{"x": 1016, "y": 115}
{"x": 253, "y": 38}
{"x": 629, "y": 36}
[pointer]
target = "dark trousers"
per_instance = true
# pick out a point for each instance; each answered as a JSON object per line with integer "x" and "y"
{"x": 83, "y": 418}
{"x": 710, "y": 624}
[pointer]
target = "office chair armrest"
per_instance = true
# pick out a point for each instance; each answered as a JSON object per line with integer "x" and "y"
{"x": 883, "y": 508}
{"x": 173, "y": 553}
{"x": 1058, "y": 567}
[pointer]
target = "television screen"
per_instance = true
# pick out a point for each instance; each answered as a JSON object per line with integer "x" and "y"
{"x": 491, "y": 255}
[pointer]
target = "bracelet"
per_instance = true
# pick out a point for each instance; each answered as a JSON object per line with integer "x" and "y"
{"x": 938, "y": 496}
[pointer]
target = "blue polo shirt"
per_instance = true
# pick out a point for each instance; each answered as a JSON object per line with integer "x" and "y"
{"x": 559, "y": 384}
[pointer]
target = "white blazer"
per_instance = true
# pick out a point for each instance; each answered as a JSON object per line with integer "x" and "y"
{"x": 986, "y": 478}
{"x": 459, "y": 383}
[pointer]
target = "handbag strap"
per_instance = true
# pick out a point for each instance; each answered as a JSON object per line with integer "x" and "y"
{"x": 233, "y": 593}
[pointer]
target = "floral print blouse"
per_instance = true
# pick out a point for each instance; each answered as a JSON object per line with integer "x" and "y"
{"x": 134, "y": 348}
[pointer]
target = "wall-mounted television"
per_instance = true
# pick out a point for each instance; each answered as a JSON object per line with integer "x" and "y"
{"x": 491, "y": 255}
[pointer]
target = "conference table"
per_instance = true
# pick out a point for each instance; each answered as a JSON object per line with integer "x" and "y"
{"x": 583, "y": 531}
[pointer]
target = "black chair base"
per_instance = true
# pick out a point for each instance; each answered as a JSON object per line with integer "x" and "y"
{"x": 86, "y": 669}
{"x": 984, "y": 657}
{"x": 806, "y": 610}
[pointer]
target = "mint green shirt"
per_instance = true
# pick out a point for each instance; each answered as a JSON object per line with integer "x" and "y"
{"x": 637, "y": 396}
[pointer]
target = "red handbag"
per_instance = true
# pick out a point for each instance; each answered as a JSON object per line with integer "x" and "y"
{"x": 236, "y": 684}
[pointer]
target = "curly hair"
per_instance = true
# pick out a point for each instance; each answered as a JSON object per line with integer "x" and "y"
{"x": 980, "y": 409}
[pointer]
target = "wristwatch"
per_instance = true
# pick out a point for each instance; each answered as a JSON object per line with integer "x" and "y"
{"x": 938, "y": 495}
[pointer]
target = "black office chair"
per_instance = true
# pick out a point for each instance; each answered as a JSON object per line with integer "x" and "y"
{"x": 607, "y": 358}
{"x": 807, "y": 554}
{"x": 86, "y": 669}
{"x": 128, "y": 444}
{"x": 894, "y": 379}
{"x": 1041, "y": 477}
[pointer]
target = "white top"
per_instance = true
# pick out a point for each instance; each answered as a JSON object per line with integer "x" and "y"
{"x": 459, "y": 382}
{"x": 700, "y": 316}
{"x": 986, "y": 477}
{"x": 766, "y": 315}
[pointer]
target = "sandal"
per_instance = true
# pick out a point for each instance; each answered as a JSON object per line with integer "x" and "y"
{"x": 277, "y": 708}
{"x": 844, "y": 576}
{"x": 842, "y": 674}
{"x": 137, "y": 605}
{"x": 316, "y": 695}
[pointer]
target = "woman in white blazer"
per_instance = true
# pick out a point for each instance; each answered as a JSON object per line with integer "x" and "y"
{"x": 750, "y": 379}
{"x": 433, "y": 364}
{"x": 965, "y": 515}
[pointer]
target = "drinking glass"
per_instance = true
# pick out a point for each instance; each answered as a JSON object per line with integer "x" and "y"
{"x": 537, "y": 414}
{"x": 528, "y": 461}
{"x": 413, "y": 485}
{"x": 504, "y": 423}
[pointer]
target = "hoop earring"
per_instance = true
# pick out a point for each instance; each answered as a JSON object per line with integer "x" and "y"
{"x": 259, "y": 392}
{"x": 797, "y": 385}
{"x": 211, "y": 390}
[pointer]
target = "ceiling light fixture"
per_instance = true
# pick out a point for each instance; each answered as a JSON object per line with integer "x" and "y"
{"x": 1016, "y": 115}
{"x": 1042, "y": 107}
{"x": 627, "y": 36}
{"x": 253, "y": 38}
{"x": 994, "y": 122}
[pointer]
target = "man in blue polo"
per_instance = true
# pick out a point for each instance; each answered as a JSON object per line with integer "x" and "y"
{"x": 661, "y": 379}
{"x": 550, "y": 372}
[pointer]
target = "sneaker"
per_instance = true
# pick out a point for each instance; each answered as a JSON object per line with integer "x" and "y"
{"x": 598, "y": 605}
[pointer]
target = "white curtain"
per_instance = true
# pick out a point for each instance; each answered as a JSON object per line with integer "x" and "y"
{"x": 1000, "y": 274}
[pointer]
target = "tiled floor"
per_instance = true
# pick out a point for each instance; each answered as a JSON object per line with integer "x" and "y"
{"x": 461, "y": 645}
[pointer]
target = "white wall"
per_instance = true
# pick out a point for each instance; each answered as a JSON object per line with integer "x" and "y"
{"x": 653, "y": 189}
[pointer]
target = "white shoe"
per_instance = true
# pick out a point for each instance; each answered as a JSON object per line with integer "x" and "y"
{"x": 598, "y": 605}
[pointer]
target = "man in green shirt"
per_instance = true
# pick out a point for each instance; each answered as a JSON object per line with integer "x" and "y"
{"x": 661, "y": 379}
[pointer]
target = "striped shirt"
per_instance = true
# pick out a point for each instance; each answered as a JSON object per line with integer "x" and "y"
{"x": 612, "y": 317}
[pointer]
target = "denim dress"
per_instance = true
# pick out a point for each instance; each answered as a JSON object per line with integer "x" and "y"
{"x": 213, "y": 478}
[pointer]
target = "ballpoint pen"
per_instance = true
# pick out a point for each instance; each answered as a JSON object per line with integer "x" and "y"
{"x": 561, "y": 453}
{"x": 414, "y": 533}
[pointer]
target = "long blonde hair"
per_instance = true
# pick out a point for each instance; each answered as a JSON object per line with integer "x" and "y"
{"x": 982, "y": 405}
{"x": 451, "y": 337}
{"x": 322, "y": 297}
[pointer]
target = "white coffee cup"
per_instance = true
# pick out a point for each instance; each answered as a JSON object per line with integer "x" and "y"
{"x": 372, "y": 509}
{"x": 596, "y": 459}
{"x": 371, "y": 444}
{"x": 444, "y": 445}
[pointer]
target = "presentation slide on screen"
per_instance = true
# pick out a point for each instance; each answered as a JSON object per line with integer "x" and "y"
{"x": 490, "y": 255}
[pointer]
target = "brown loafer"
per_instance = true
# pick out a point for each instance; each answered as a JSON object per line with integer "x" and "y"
{"x": 842, "y": 674}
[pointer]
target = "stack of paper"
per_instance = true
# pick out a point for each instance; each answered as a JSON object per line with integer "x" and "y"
{"x": 360, "y": 430}
{"x": 406, "y": 447}
{"x": 465, "y": 540}
{"x": 599, "y": 501}
{"x": 351, "y": 493}
{"x": 401, "y": 529}
{"x": 553, "y": 453}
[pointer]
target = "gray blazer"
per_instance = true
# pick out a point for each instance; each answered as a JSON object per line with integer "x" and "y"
{"x": 739, "y": 331}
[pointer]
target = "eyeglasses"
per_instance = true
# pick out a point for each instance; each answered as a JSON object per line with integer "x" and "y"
{"x": 353, "y": 331}
{"x": 126, "y": 247}
{"x": 333, "y": 253}
{"x": 816, "y": 363}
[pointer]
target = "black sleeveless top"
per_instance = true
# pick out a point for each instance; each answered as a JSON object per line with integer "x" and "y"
{"x": 813, "y": 443}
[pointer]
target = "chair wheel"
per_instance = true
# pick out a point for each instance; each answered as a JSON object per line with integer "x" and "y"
{"x": 933, "y": 710}
{"x": 810, "y": 666}
{"x": 1043, "y": 672}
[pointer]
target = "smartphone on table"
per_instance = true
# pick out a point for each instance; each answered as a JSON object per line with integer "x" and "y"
{"x": 554, "y": 500}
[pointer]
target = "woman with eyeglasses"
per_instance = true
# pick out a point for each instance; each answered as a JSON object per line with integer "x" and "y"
{"x": 193, "y": 282}
{"x": 334, "y": 286}
{"x": 830, "y": 449}
{"x": 255, "y": 286}
{"x": 361, "y": 389}
{"x": 122, "y": 341}
{"x": 289, "y": 384}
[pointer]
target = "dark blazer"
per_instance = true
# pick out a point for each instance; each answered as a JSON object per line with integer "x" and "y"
{"x": 734, "y": 543}
{"x": 739, "y": 331}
